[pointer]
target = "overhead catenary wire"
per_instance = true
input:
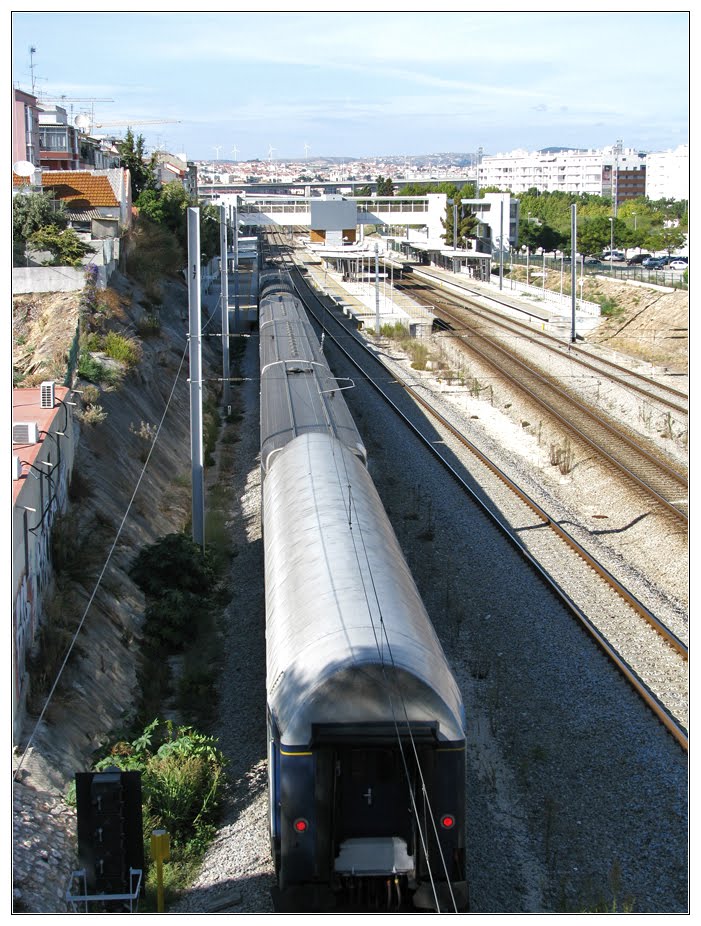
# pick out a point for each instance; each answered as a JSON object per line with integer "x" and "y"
{"x": 356, "y": 530}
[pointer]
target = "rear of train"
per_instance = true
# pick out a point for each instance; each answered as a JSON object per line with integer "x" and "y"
{"x": 365, "y": 720}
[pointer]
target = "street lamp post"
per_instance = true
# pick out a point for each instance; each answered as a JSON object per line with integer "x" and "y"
{"x": 611, "y": 251}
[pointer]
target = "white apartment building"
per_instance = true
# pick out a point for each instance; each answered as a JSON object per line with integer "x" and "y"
{"x": 568, "y": 171}
{"x": 667, "y": 175}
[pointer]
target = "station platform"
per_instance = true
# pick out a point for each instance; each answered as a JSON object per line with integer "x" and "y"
{"x": 358, "y": 298}
{"x": 536, "y": 306}
{"x": 545, "y": 310}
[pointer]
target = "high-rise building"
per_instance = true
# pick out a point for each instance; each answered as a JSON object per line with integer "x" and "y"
{"x": 609, "y": 171}
{"x": 667, "y": 175}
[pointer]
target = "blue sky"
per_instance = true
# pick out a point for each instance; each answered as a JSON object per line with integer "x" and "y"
{"x": 368, "y": 84}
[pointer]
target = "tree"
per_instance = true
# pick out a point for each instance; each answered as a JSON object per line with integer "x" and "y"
{"x": 666, "y": 239}
{"x": 132, "y": 155}
{"x": 594, "y": 235}
{"x": 168, "y": 207}
{"x": 528, "y": 233}
{"x": 63, "y": 243}
{"x": 467, "y": 222}
{"x": 385, "y": 187}
{"x": 30, "y": 213}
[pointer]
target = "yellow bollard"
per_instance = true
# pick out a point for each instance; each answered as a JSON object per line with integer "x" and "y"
{"x": 160, "y": 851}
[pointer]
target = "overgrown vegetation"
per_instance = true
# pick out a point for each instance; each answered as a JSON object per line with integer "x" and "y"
{"x": 182, "y": 781}
{"x": 415, "y": 348}
{"x": 32, "y": 212}
{"x": 562, "y": 456}
{"x": 609, "y": 307}
{"x": 183, "y": 595}
{"x": 64, "y": 245}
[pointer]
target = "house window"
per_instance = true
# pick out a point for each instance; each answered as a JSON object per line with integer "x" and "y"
{"x": 53, "y": 139}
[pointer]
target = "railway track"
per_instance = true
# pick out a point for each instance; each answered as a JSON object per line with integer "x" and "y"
{"x": 654, "y": 390}
{"x": 666, "y": 637}
{"x": 638, "y": 462}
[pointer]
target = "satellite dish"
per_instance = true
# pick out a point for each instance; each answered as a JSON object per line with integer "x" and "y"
{"x": 82, "y": 121}
{"x": 23, "y": 168}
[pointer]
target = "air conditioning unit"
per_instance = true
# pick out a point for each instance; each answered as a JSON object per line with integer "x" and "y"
{"x": 25, "y": 432}
{"x": 16, "y": 467}
{"x": 48, "y": 395}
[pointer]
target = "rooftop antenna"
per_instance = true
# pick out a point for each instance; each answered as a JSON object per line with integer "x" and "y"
{"x": 32, "y": 52}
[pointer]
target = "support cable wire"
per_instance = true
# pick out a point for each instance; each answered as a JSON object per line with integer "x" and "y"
{"x": 384, "y": 638}
{"x": 102, "y": 573}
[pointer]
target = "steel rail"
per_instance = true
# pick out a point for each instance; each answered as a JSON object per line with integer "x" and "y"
{"x": 513, "y": 324}
{"x": 674, "y": 727}
{"x": 667, "y": 471}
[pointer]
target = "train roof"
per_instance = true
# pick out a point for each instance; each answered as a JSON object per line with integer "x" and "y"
{"x": 348, "y": 638}
{"x": 298, "y": 391}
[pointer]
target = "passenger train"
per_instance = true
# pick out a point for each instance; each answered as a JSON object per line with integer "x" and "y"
{"x": 366, "y": 726}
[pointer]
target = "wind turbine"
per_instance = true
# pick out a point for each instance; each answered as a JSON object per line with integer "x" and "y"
{"x": 270, "y": 153}
{"x": 306, "y": 150}
{"x": 217, "y": 148}
{"x": 235, "y": 152}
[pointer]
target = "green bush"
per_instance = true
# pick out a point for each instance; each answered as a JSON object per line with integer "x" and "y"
{"x": 173, "y": 562}
{"x": 170, "y": 619}
{"x": 609, "y": 307}
{"x": 63, "y": 244}
{"x": 182, "y": 777}
{"x": 125, "y": 350}
{"x": 93, "y": 341}
{"x": 419, "y": 355}
{"x": 90, "y": 369}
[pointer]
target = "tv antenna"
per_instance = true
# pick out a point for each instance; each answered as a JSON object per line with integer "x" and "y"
{"x": 32, "y": 52}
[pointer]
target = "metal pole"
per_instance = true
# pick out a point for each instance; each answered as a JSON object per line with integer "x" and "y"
{"x": 224, "y": 247}
{"x": 501, "y": 244}
{"x": 562, "y": 271}
{"x": 573, "y": 209}
{"x": 543, "y": 270}
{"x": 195, "y": 307}
{"x": 236, "y": 266}
{"x": 377, "y": 291}
{"x": 455, "y": 226}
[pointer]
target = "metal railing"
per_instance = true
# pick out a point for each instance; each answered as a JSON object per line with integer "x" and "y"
{"x": 677, "y": 279}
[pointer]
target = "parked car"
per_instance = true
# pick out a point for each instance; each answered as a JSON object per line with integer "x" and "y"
{"x": 592, "y": 262}
{"x": 653, "y": 263}
{"x": 638, "y": 259}
{"x": 678, "y": 264}
{"x": 613, "y": 255}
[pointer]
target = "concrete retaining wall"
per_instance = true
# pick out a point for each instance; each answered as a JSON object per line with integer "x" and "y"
{"x": 67, "y": 279}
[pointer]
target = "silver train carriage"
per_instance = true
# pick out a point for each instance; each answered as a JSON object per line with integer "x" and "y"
{"x": 299, "y": 394}
{"x": 365, "y": 720}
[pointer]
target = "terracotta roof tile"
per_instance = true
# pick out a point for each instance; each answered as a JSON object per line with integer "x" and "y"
{"x": 79, "y": 189}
